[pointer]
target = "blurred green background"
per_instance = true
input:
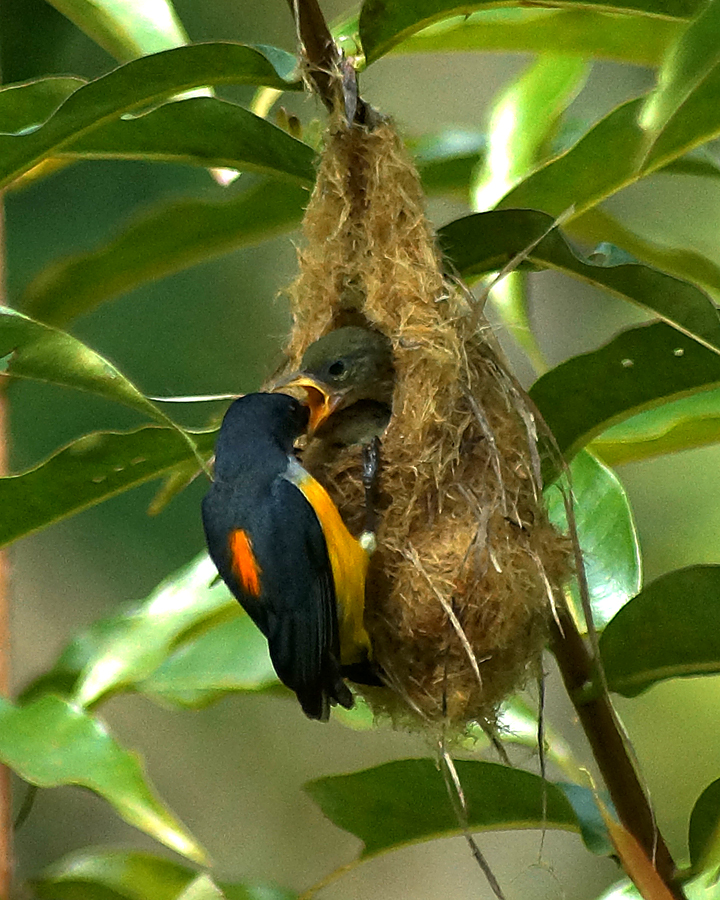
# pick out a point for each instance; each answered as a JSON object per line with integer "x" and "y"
{"x": 233, "y": 772}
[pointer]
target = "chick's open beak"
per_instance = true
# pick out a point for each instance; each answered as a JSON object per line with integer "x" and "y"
{"x": 321, "y": 401}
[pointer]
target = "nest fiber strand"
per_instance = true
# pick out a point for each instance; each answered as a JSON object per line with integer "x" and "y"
{"x": 462, "y": 584}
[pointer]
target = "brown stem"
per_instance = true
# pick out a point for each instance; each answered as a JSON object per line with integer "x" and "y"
{"x": 604, "y": 734}
{"x": 332, "y": 76}
{"x": 6, "y": 865}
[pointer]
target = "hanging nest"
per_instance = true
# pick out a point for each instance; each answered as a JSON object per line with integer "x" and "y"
{"x": 463, "y": 582}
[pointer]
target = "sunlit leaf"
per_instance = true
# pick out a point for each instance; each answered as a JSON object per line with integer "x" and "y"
{"x": 229, "y": 656}
{"x": 202, "y": 888}
{"x": 640, "y": 368}
{"x": 127, "y": 875}
{"x": 89, "y": 471}
{"x": 61, "y": 678}
{"x": 126, "y": 30}
{"x": 668, "y": 631}
{"x": 129, "y": 655}
{"x": 628, "y": 39}
{"x": 165, "y": 240}
{"x": 690, "y": 73}
{"x": 522, "y": 119}
{"x": 606, "y": 533}
{"x": 51, "y": 742}
{"x": 679, "y": 425}
{"x": 202, "y": 131}
{"x": 406, "y": 801}
{"x": 385, "y": 23}
{"x": 25, "y": 106}
{"x": 484, "y": 242}
{"x": 135, "y": 86}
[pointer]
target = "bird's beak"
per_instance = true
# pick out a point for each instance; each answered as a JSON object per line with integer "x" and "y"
{"x": 321, "y": 400}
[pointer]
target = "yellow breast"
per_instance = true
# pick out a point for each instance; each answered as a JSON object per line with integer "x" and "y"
{"x": 349, "y": 563}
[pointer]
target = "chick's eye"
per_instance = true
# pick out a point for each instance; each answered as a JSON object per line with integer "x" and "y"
{"x": 337, "y": 369}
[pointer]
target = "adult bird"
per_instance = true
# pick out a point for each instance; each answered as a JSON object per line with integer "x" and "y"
{"x": 280, "y": 545}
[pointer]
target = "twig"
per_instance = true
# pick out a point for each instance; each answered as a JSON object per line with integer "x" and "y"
{"x": 332, "y": 76}
{"x": 604, "y": 734}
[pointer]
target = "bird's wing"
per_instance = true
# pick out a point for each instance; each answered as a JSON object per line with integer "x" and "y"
{"x": 303, "y": 628}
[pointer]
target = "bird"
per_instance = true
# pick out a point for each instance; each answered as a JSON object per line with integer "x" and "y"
{"x": 349, "y": 378}
{"x": 282, "y": 548}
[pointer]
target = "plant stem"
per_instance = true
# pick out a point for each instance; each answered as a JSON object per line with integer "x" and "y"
{"x": 609, "y": 747}
{"x": 6, "y": 866}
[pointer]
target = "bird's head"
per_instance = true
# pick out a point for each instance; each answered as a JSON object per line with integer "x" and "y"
{"x": 340, "y": 369}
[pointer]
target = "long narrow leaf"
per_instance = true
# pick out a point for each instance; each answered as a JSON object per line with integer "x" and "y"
{"x": 406, "y": 801}
{"x": 202, "y": 131}
{"x": 385, "y": 23}
{"x": 88, "y": 471}
{"x": 25, "y": 106}
{"x": 84, "y": 753}
{"x": 127, "y": 30}
{"x": 165, "y": 240}
{"x": 135, "y": 86}
{"x": 641, "y": 368}
{"x": 628, "y": 39}
{"x": 484, "y": 242}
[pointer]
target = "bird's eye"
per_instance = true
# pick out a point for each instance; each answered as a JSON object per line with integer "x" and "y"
{"x": 337, "y": 369}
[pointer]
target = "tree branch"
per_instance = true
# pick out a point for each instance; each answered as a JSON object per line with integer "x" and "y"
{"x": 332, "y": 76}
{"x": 600, "y": 724}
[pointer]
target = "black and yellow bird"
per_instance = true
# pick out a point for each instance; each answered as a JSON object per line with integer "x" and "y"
{"x": 280, "y": 545}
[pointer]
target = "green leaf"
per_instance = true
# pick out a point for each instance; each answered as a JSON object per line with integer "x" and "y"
{"x": 485, "y": 242}
{"x": 29, "y": 349}
{"x": 689, "y": 75}
{"x": 603, "y": 161}
{"x": 202, "y": 131}
{"x": 640, "y": 368}
{"x": 668, "y": 631}
{"x": 137, "y": 85}
{"x": 406, "y": 801}
{"x": 613, "y": 155}
{"x": 25, "y": 106}
{"x": 62, "y": 678}
{"x": 126, "y": 30}
{"x": 183, "y": 601}
{"x": 447, "y": 160}
{"x": 704, "y": 831}
{"x": 88, "y": 471}
{"x": 51, "y": 742}
{"x": 173, "y": 237}
{"x": 678, "y": 425}
{"x": 165, "y": 240}
{"x": 607, "y": 536}
{"x": 385, "y": 23}
{"x": 202, "y": 888}
{"x": 229, "y": 656}
{"x": 522, "y": 119}
{"x": 627, "y": 39}
{"x": 597, "y": 225}
{"x": 128, "y": 875}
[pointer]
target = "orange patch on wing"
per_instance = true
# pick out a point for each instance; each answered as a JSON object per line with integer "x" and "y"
{"x": 244, "y": 564}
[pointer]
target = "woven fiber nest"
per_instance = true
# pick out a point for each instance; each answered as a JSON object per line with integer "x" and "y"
{"x": 467, "y": 568}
